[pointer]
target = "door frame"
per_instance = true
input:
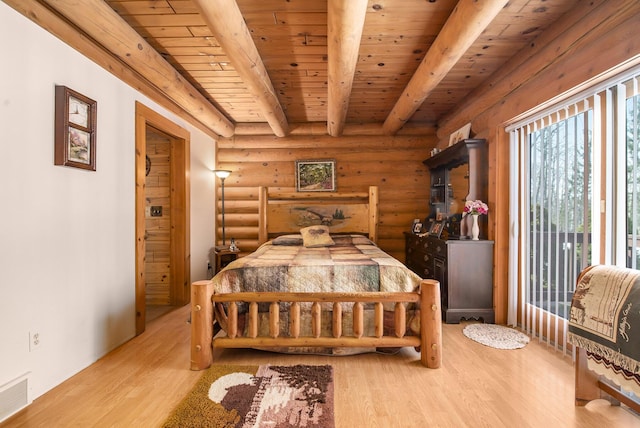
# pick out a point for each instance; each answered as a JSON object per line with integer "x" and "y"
{"x": 180, "y": 253}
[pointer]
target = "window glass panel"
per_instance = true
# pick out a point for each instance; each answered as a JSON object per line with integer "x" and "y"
{"x": 559, "y": 197}
{"x": 633, "y": 181}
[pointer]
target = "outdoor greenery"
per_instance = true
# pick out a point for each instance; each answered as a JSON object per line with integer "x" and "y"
{"x": 633, "y": 181}
{"x": 560, "y": 180}
{"x": 559, "y": 200}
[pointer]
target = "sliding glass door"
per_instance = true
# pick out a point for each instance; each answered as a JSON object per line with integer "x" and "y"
{"x": 575, "y": 200}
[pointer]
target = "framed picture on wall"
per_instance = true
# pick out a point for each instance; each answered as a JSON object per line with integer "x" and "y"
{"x": 316, "y": 175}
{"x": 75, "y": 129}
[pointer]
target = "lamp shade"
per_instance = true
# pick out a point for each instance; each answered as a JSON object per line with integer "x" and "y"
{"x": 222, "y": 173}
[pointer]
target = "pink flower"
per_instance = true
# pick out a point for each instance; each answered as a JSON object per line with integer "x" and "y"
{"x": 476, "y": 207}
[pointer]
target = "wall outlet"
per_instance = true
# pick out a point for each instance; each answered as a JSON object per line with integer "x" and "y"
{"x": 34, "y": 340}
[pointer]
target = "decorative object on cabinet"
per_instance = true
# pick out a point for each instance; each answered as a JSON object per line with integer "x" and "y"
{"x": 417, "y": 227}
{"x": 460, "y": 134}
{"x": 475, "y": 229}
{"x": 233, "y": 246}
{"x": 75, "y": 129}
{"x": 464, "y": 269}
{"x": 475, "y": 209}
{"x": 316, "y": 175}
{"x": 436, "y": 228}
{"x": 458, "y": 173}
{"x": 222, "y": 174}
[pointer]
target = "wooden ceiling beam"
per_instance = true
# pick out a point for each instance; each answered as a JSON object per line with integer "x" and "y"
{"x": 345, "y": 23}
{"x": 467, "y": 21}
{"x": 227, "y": 24}
{"x": 106, "y": 27}
{"x": 319, "y": 128}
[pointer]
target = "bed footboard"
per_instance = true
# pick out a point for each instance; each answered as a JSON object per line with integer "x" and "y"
{"x": 202, "y": 320}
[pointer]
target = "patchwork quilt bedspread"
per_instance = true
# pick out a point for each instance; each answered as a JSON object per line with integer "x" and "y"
{"x": 605, "y": 321}
{"x": 353, "y": 264}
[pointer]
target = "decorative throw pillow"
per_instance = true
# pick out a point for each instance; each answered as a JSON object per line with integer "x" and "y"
{"x": 289, "y": 240}
{"x": 316, "y": 236}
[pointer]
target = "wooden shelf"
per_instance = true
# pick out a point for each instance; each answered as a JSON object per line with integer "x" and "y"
{"x": 449, "y": 189}
{"x": 454, "y": 155}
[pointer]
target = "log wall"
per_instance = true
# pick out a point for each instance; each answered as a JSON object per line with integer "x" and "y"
{"x": 394, "y": 164}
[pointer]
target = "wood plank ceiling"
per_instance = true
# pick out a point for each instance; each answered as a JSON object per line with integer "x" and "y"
{"x": 265, "y": 65}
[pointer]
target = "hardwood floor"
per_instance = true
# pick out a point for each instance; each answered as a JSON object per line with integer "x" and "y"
{"x": 154, "y": 312}
{"x": 138, "y": 384}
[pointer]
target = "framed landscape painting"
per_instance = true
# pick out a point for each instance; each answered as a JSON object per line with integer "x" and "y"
{"x": 316, "y": 175}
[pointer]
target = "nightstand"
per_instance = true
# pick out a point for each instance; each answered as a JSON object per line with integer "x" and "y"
{"x": 223, "y": 257}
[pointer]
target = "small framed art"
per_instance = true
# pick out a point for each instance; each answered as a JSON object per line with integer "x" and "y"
{"x": 436, "y": 228}
{"x": 316, "y": 175}
{"x": 75, "y": 129}
{"x": 460, "y": 134}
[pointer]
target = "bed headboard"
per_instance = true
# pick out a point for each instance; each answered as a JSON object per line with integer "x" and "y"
{"x": 287, "y": 212}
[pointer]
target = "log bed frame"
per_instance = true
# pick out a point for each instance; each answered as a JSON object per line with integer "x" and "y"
{"x": 275, "y": 219}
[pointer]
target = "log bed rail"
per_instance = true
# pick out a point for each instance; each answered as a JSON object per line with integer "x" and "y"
{"x": 203, "y": 302}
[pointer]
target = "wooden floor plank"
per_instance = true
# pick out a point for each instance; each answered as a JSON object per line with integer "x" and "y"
{"x": 139, "y": 383}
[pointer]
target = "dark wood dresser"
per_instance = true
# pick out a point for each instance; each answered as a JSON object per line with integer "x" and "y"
{"x": 464, "y": 269}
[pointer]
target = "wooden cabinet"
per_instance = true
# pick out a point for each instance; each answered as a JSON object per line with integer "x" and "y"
{"x": 463, "y": 266}
{"x": 458, "y": 173}
{"x": 223, "y": 257}
{"x": 464, "y": 269}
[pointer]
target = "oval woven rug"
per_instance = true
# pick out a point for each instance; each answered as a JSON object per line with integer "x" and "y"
{"x": 496, "y": 336}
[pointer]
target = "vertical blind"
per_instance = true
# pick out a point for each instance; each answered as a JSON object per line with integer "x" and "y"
{"x": 575, "y": 183}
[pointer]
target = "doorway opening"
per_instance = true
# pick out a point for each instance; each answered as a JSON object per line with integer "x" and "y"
{"x": 162, "y": 216}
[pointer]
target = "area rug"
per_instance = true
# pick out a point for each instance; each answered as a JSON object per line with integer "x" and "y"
{"x": 496, "y": 336}
{"x": 259, "y": 396}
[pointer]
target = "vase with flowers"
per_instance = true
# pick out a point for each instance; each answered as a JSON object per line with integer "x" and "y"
{"x": 475, "y": 208}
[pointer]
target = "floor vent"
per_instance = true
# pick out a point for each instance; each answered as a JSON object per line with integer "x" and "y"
{"x": 14, "y": 396}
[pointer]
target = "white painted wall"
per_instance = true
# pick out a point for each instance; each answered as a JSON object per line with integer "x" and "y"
{"x": 67, "y": 242}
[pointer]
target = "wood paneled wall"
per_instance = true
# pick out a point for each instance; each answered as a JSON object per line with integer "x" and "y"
{"x": 158, "y": 229}
{"x": 394, "y": 164}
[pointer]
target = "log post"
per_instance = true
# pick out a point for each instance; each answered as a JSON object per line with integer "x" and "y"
{"x": 232, "y": 322}
{"x": 379, "y": 319}
{"x": 274, "y": 319}
{"x": 430, "y": 324}
{"x": 586, "y": 380}
{"x": 358, "y": 320}
{"x": 294, "y": 320}
{"x": 253, "y": 320}
{"x": 400, "y": 320}
{"x": 201, "y": 325}
{"x": 337, "y": 319}
{"x": 316, "y": 320}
